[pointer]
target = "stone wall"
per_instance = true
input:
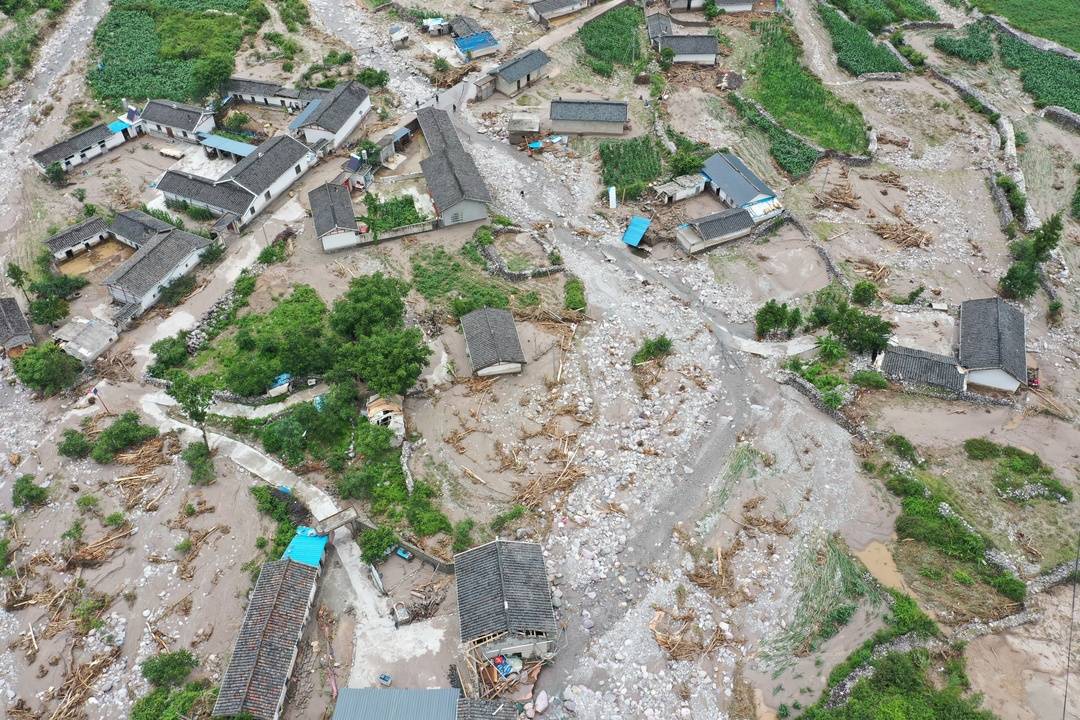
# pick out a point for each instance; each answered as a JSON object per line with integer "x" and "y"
{"x": 814, "y": 396}
{"x": 1063, "y": 116}
{"x": 497, "y": 266}
{"x": 1036, "y": 42}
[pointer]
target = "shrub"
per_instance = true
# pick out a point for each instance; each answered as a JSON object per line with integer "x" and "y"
{"x": 114, "y": 520}
{"x": 213, "y": 252}
{"x": 830, "y": 349}
{"x": 441, "y": 64}
{"x": 48, "y": 310}
{"x": 74, "y": 444}
{"x": 375, "y": 543}
{"x": 463, "y": 535}
{"x": 198, "y": 458}
{"x": 652, "y": 349}
{"x": 1013, "y": 194}
{"x": 184, "y": 546}
{"x": 74, "y": 533}
{"x": 982, "y": 449}
{"x": 169, "y": 353}
{"x": 1010, "y": 586}
{"x": 167, "y": 669}
{"x": 372, "y": 78}
{"x": 869, "y": 379}
{"x": 174, "y": 293}
{"x": 903, "y": 448}
{"x": 864, "y": 293}
{"x": 574, "y": 295}
{"x": 87, "y": 503}
{"x": 1053, "y": 312}
{"x": 503, "y": 519}
{"x": 125, "y": 432}
{"x": 773, "y": 317}
{"x": 1020, "y": 281}
{"x": 26, "y": 494}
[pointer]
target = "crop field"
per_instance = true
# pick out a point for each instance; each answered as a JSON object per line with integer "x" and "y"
{"x": 876, "y": 14}
{"x": 1057, "y": 20}
{"x": 792, "y": 155}
{"x": 180, "y": 51}
{"x": 18, "y": 43}
{"x": 798, "y": 99}
{"x": 614, "y": 38}
{"x": 856, "y": 50}
{"x": 1051, "y": 79}
{"x": 976, "y": 45}
{"x": 630, "y": 165}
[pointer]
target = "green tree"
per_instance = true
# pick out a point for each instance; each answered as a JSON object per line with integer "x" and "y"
{"x": 56, "y": 174}
{"x": 667, "y": 57}
{"x": 211, "y": 72}
{"x": 194, "y": 393}
{"x": 47, "y": 310}
{"x": 375, "y": 543}
{"x": 1021, "y": 280}
{"x": 864, "y": 292}
{"x": 169, "y": 353}
{"x": 861, "y": 332}
{"x": 26, "y": 494}
{"x": 47, "y": 369}
{"x": 1046, "y": 238}
{"x": 389, "y": 361}
{"x": 830, "y": 348}
{"x": 685, "y": 163}
{"x": 168, "y": 669}
{"x": 19, "y": 278}
{"x": 372, "y": 302}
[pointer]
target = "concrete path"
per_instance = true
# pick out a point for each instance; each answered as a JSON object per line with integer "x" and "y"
{"x": 230, "y": 409}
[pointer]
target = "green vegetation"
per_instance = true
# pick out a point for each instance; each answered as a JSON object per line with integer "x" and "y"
{"x": 26, "y": 494}
{"x": 384, "y": 215}
{"x": 277, "y": 251}
{"x": 874, "y": 15}
{"x": 372, "y": 78}
{"x": 193, "y": 700}
{"x": 1052, "y": 19}
{"x": 74, "y": 444}
{"x": 903, "y": 448}
{"x": 114, "y": 520}
{"x": 46, "y": 368}
{"x": 168, "y": 669}
{"x": 858, "y": 331}
{"x": 864, "y": 293}
{"x": 5, "y": 556}
{"x": 87, "y": 503}
{"x": 870, "y": 379}
{"x": 1015, "y": 196}
{"x": 855, "y": 49}
{"x": 976, "y": 45}
{"x": 797, "y": 98}
{"x": 916, "y": 58}
{"x": 1017, "y": 469}
{"x": 1074, "y": 208}
{"x": 822, "y": 375}
{"x": 500, "y": 521}
{"x": 574, "y": 294}
{"x": 169, "y": 353}
{"x": 437, "y": 276}
{"x": 174, "y": 293}
{"x": 630, "y": 165}
{"x": 124, "y": 433}
{"x": 614, "y": 38}
{"x": 374, "y": 544}
{"x": 773, "y": 318}
{"x": 793, "y": 155}
{"x": 271, "y": 501}
{"x": 653, "y": 349}
{"x": 74, "y": 533}
{"x": 198, "y": 458}
{"x": 23, "y": 36}
{"x": 1022, "y": 278}
{"x": 1049, "y": 78}
{"x": 463, "y": 539}
{"x": 194, "y": 212}
{"x": 81, "y": 118}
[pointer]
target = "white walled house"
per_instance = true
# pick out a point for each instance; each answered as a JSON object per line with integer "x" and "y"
{"x": 707, "y": 232}
{"x": 454, "y": 182}
{"x": 333, "y": 118}
{"x": 334, "y": 218}
{"x": 491, "y": 342}
{"x": 168, "y": 119}
{"x": 138, "y": 282}
{"x": 690, "y": 49}
{"x": 253, "y": 183}
{"x": 737, "y": 185}
{"x": 258, "y": 92}
{"x": 992, "y": 344}
{"x": 544, "y": 11}
{"x": 89, "y": 144}
{"x": 520, "y": 72}
{"x": 79, "y": 238}
{"x": 135, "y": 228}
{"x": 588, "y": 117}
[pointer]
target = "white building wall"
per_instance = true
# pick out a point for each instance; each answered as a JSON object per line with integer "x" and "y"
{"x": 686, "y": 4}
{"x": 147, "y": 301}
{"x": 162, "y": 130}
{"x": 113, "y": 141}
{"x": 586, "y": 127}
{"x": 279, "y": 186}
{"x": 352, "y": 123}
{"x": 703, "y": 59}
{"x": 80, "y": 248}
{"x": 995, "y": 378}
{"x": 465, "y": 211}
{"x": 689, "y": 240}
{"x": 341, "y": 240}
{"x": 499, "y": 369}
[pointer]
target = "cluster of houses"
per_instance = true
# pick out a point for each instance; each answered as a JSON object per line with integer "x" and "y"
{"x": 505, "y": 611}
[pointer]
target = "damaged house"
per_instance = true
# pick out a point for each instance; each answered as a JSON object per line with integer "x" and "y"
{"x": 491, "y": 342}
{"x": 920, "y": 368}
{"x": 90, "y": 143}
{"x": 79, "y": 238}
{"x": 692, "y": 49}
{"x": 739, "y": 187}
{"x": 457, "y": 189}
{"x": 408, "y": 704}
{"x": 716, "y": 229}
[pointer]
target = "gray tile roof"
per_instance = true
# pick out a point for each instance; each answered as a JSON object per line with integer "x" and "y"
{"x": 589, "y": 110}
{"x": 690, "y": 44}
{"x": 338, "y": 106}
{"x": 14, "y": 329}
{"x": 247, "y": 86}
{"x": 992, "y": 336}
{"x": 174, "y": 114}
{"x": 470, "y": 709}
{"x": 153, "y": 262}
{"x": 463, "y": 26}
{"x": 73, "y": 145}
{"x": 396, "y": 704}
{"x": 522, "y": 65}
{"x": 137, "y": 227}
{"x": 76, "y": 234}
{"x": 262, "y": 657}
{"x": 919, "y": 367}
{"x": 491, "y": 338}
{"x": 738, "y": 181}
{"x": 331, "y": 209}
{"x": 226, "y": 196}
{"x": 722, "y": 223}
{"x": 451, "y": 173}
{"x": 86, "y": 339}
{"x": 658, "y": 24}
{"x": 259, "y": 170}
{"x": 543, "y": 7}
{"x": 503, "y": 587}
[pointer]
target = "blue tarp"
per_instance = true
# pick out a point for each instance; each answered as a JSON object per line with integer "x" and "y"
{"x": 218, "y": 142}
{"x": 281, "y": 379}
{"x": 304, "y": 115}
{"x": 476, "y": 41}
{"x": 119, "y": 126}
{"x": 636, "y": 230}
{"x": 306, "y": 547}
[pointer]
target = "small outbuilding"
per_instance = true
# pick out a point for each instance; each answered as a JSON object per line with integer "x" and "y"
{"x": 169, "y": 119}
{"x": 522, "y": 126}
{"x": 737, "y": 185}
{"x": 922, "y": 369}
{"x": 15, "y": 332}
{"x": 712, "y": 230}
{"x": 992, "y": 344}
{"x": 589, "y": 117}
{"x": 520, "y": 72}
{"x": 730, "y": 6}
{"x": 691, "y": 49}
{"x": 79, "y": 238}
{"x": 135, "y": 228}
{"x": 544, "y": 11}
{"x": 334, "y": 218}
{"x": 85, "y": 339}
{"x": 658, "y": 25}
{"x": 90, "y": 143}
{"x": 409, "y": 704}
{"x": 491, "y": 342}
{"x": 504, "y": 600}
{"x": 681, "y": 188}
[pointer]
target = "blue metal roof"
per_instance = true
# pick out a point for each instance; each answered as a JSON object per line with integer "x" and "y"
{"x": 636, "y": 230}
{"x": 306, "y": 547}
{"x": 119, "y": 125}
{"x": 476, "y": 41}
{"x": 281, "y": 379}
{"x": 304, "y": 115}
{"x": 219, "y": 142}
{"x": 395, "y": 704}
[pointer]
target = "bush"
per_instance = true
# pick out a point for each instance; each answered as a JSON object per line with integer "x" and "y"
{"x": 372, "y": 78}
{"x": 1013, "y": 194}
{"x": 1020, "y": 281}
{"x": 864, "y": 293}
{"x": 503, "y": 519}
{"x": 114, "y": 520}
{"x": 174, "y": 293}
{"x": 48, "y": 310}
{"x": 26, "y": 494}
{"x": 651, "y": 349}
{"x": 463, "y": 535}
{"x": 74, "y": 444}
{"x": 169, "y": 353}
{"x": 903, "y": 448}
{"x": 772, "y": 317}
{"x": 574, "y": 295}
{"x": 198, "y": 458}
{"x": 125, "y": 432}
{"x": 169, "y": 669}
{"x": 869, "y": 379}
{"x": 1010, "y": 586}
{"x": 374, "y": 544}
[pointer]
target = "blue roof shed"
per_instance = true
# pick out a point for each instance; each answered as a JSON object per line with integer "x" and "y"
{"x": 476, "y": 41}
{"x": 636, "y": 230}
{"x": 306, "y": 547}
{"x": 218, "y": 142}
{"x": 304, "y": 115}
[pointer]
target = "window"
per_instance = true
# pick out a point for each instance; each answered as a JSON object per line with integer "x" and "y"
{"x": 267, "y": 194}
{"x": 297, "y": 169}
{"x": 184, "y": 133}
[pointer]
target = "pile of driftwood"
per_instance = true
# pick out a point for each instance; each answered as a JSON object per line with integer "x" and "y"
{"x": 873, "y": 270}
{"x": 427, "y": 598}
{"x": 95, "y": 553}
{"x": 545, "y": 485}
{"x": 680, "y": 635}
{"x": 904, "y": 233}
{"x": 892, "y": 179}
{"x": 838, "y": 196}
{"x": 718, "y": 578}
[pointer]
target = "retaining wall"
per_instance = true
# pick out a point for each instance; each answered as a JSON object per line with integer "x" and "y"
{"x": 497, "y": 266}
{"x": 1063, "y": 116}
{"x": 814, "y": 396}
{"x": 1036, "y": 42}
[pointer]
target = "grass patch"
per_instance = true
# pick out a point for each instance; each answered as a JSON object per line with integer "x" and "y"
{"x": 123, "y": 434}
{"x": 855, "y": 49}
{"x": 439, "y": 277}
{"x": 976, "y": 45}
{"x": 1018, "y": 475}
{"x": 797, "y": 98}
{"x": 574, "y": 295}
{"x": 874, "y": 15}
{"x": 20, "y": 41}
{"x": 198, "y": 458}
{"x": 653, "y": 349}
{"x": 870, "y": 379}
{"x": 903, "y": 448}
{"x": 630, "y": 165}
{"x": 385, "y": 215}
{"x": 792, "y": 155}
{"x": 503, "y": 519}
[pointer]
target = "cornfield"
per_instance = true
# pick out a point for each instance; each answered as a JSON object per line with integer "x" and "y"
{"x": 614, "y": 37}
{"x": 855, "y": 49}
{"x": 1050, "y": 78}
{"x": 974, "y": 46}
{"x": 630, "y": 165}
